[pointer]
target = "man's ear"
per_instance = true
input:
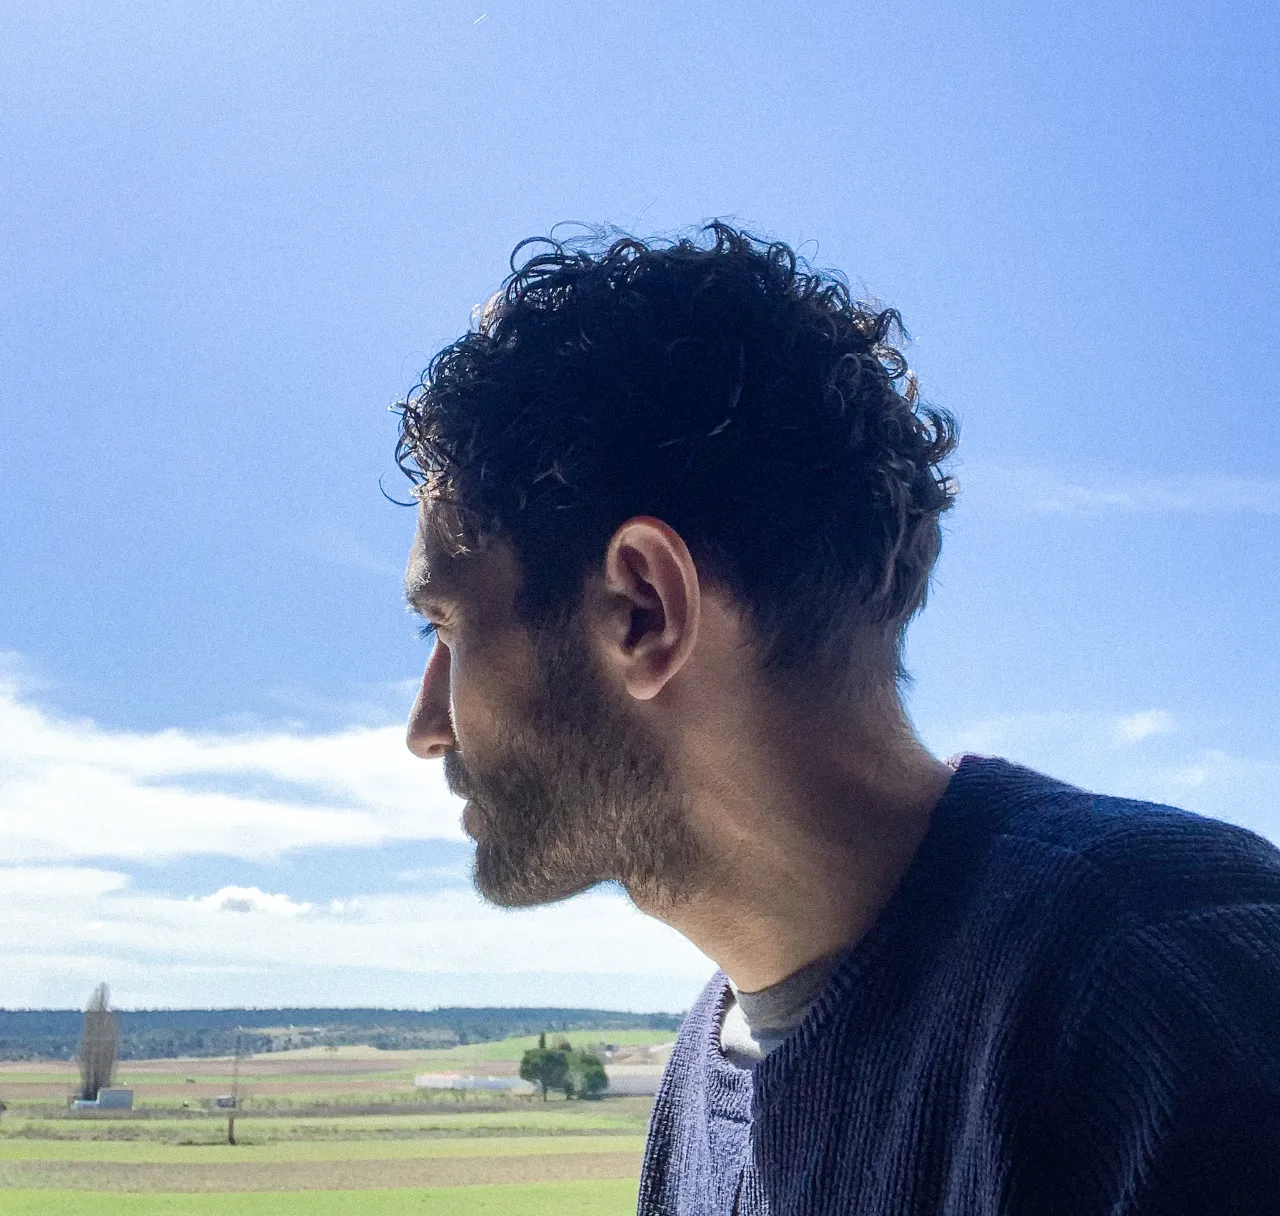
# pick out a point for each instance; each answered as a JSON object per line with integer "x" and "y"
{"x": 651, "y": 602}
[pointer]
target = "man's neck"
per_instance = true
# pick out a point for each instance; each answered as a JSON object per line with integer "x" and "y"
{"x": 809, "y": 820}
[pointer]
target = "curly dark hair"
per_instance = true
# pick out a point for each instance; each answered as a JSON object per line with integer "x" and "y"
{"x": 720, "y": 384}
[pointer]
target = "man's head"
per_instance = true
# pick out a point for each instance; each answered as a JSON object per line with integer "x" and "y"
{"x": 629, "y": 427}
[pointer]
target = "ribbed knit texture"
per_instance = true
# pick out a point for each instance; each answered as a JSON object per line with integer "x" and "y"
{"x": 1071, "y": 1006}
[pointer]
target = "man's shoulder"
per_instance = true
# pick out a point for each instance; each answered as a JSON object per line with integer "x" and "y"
{"x": 698, "y": 1031}
{"x": 699, "y": 1087}
{"x": 1144, "y": 1044}
{"x": 1144, "y": 860}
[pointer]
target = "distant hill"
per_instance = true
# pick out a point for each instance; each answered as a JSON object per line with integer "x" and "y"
{"x": 27, "y": 1034}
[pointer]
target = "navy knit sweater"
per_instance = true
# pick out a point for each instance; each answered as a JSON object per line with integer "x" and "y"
{"x": 1071, "y": 1006}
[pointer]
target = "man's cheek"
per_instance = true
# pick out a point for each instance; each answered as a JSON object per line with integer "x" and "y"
{"x": 471, "y": 709}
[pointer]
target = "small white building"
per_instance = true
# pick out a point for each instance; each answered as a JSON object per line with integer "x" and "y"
{"x": 637, "y": 1080}
{"x": 453, "y": 1080}
{"x": 107, "y": 1099}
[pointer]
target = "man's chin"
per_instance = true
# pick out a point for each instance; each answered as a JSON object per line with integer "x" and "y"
{"x": 501, "y": 883}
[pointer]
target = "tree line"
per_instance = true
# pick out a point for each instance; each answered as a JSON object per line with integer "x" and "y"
{"x": 165, "y": 1033}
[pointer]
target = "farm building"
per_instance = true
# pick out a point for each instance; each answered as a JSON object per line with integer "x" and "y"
{"x": 450, "y": 1080}
{"x": 107, "y": 1099}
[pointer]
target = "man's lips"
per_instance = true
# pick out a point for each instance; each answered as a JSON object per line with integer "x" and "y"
{"x": 471, "y": 820}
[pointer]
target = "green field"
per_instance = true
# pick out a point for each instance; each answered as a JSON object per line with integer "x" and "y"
{"x": 614, "y": 1198}
{"x": 311, "y": 1150}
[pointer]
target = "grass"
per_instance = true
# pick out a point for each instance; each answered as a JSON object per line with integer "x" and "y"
{"x": 609, "y": 1198}
{"x": 282, "y": 1177}
{"x": 554, "y": 1119}
{"x": 313, "y": 1150}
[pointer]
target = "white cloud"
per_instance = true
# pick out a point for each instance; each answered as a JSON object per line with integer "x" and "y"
{"x": 250, "y": 899}
{"x": 1133, "y": 728}
{"x": 70, "y": 789}
{"x": 1044, "y": 490}
{"x": 81, "y": 923}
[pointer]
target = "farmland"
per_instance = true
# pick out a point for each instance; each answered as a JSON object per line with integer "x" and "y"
{"x": 325, "y": 1130}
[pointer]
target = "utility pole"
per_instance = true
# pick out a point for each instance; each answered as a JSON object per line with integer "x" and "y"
{"x": 235, "y": 1093}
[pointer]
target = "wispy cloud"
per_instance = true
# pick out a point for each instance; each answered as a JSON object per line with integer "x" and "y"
{"x": 1133, "y": 728}
{"x": 1093, "y": 730}
{"x": 344, "y": 549}
{"x": 1147, "y": 754}
{"x": 87, "y": 923}
{"x": 70, "y": 789}
{"x": 1099, "y": 493}
{"x": 244, "y": 900}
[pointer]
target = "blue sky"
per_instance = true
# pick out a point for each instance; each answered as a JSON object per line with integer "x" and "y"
{"x": 234, "y": 234}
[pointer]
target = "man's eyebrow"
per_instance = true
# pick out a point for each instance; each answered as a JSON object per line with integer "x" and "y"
{"x": 420, "y": 597}
{"x": 422, "y": 593}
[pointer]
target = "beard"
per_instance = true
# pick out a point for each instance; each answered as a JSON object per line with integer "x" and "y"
{"x": 576, "y": 794}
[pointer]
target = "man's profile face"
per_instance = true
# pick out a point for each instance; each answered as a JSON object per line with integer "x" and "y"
{"x": 564, "y": 788}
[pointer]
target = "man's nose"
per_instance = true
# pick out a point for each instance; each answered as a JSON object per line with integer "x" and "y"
{"x": 430, "y": 723}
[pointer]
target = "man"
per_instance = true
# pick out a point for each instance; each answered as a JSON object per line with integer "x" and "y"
{"x": 678, "y": 504}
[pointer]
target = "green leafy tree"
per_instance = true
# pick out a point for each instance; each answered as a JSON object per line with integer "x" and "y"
{"x": 578, "y": 1074}
{"x": 547, "y": 1069}
{"x": 587, "y": 1074}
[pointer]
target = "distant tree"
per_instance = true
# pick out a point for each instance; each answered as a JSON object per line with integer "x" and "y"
{"x": 546, "y": 1069}
{"x": 578, "y": 1074}
{"x": 586, "y": 1071}
{"x": 99, "y": 1042}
